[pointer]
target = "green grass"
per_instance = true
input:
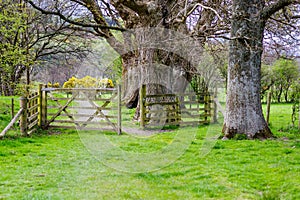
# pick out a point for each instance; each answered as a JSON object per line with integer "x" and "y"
{"x": 58, "y": 165}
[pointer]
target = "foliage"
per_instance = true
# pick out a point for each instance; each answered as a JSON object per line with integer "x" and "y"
{"x": 12, "y": 25}
{"x": 116, "y": 69}
{"x": 12, "y": 51}
{"x": 283, "y": 78}
{"x": 267, "y": 78}
{"x": 88, "y": 82}
{"x": 29, "y": 39}
{"x": 106, "y": 83}
{"x": 53, "y": 85}
{"x": 286, "y": 75}
{"x": 70, "y": 83}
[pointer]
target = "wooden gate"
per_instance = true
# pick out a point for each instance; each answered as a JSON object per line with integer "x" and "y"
{"x": 32, "y": 112}
{"x": 81, "y": 108}
{"x": 188, "y": 109}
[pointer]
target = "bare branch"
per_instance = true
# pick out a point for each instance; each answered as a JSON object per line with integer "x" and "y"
{"x": 283, "y": 22}
{"x": 272, "y": 9}
{"x": 205, "y": 7}
{"x": 86, "y": 25}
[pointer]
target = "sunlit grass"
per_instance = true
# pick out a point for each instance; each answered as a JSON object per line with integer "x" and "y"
{"x": 56, "y": 164}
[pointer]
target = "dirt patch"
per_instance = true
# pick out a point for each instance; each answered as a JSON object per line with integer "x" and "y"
{"x": 142, "y": 132}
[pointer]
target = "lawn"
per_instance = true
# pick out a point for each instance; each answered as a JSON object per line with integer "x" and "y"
{"x": 61, "y": 165}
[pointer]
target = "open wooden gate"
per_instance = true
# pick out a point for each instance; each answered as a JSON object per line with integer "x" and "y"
{"x": 81, "y": 108}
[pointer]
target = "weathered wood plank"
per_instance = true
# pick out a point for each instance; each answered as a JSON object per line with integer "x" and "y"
{"x": 31, "y": 108}
{"x": 31, "y": 125}
{"x": 80, "y": 123}
{"x": 11, "y": 123}
{"x": 159, "y": 103}
{"x": 31, "y": 117}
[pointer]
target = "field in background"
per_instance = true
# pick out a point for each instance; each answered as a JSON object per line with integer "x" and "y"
{"x": 55, "y": 164}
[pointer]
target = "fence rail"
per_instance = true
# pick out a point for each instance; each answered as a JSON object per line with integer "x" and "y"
{"x": 11, "y": 123}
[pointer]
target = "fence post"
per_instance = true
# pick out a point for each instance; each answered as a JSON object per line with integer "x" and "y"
{"x": 178, "y": 111}
{"x": 44, "y": 108}
{"x": 268, "y": 107}
{"x": 215, "y": 115}
{"x": 40, "y": 102}
{"x": 142, "y": 106}
{"x": 119, "y": 111}
{"x": 12, "y": 108}
{"x": 206, "y": 106}
{"x": 23, "y": 118}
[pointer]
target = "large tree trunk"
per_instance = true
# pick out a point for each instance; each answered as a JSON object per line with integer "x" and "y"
{"x": 243, "y": 105}
{"x": 148, "y": 65}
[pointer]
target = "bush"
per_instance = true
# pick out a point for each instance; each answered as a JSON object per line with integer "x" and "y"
{"x": 70, "y": 83}
{"x": 106, "y": 83}
{"x": 54, "y": 85}
{"x": 88, "y": 82}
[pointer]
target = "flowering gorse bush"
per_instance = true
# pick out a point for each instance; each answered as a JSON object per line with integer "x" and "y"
{"x": 88, "y": 82}
{"x": 53, "y": 85}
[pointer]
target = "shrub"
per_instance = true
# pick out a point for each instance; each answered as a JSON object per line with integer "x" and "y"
{"x": 54, "y": 85}
{"x": 88, "y": 82}
{"x": 70, "y": 83}
{"x": 106, "y": 83}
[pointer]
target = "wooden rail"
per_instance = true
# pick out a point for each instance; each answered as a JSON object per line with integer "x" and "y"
{"x": 11, "y": 123}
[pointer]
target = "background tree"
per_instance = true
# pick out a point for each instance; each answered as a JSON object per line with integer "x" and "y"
{"x": 13, "y": 26}
{"x": 30, "y": 38}
{"x": 286, "y": 74}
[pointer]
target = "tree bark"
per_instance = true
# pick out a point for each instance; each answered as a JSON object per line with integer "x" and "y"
{"x": 243, "y": 105}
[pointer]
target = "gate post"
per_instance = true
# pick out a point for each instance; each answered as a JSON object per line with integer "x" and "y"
{"x": 178, "y": 111}
{"x": 23, "y": 118}
{"x": 44, "y": 108}
{"x": 40, "y": 102}
{"x": 215, "y": 107}
{"x": 119, "y": 110}
{"x": 142, "y": 105}
{"x": 207, "y": 107}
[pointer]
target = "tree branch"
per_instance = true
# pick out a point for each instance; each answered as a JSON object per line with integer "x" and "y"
{"x": 86, "y": 25}
{"x": 272, "y": 9}
{"x": 283, "y": 22}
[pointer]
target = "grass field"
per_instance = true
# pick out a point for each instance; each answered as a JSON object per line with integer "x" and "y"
{"x": 59, "y": 165}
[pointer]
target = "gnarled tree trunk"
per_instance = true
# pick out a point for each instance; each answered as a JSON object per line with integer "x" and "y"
{"x": 243, "y": 105}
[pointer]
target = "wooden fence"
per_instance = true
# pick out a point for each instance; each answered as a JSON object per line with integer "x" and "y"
{"x": 188, "y": 109}
{"x": 77, "y": 108}
{"x": 100, "y": 109}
